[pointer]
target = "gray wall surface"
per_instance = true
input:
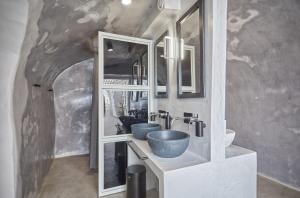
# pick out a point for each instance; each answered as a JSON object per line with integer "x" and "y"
{"x": 34, "y": 116}
{"x": 38, "y": 136}
{"x": 66, "y": 29}
{"x": 73, "y": 100}
{"x": 13, "y": 20}
{"x": 263, "y": 83}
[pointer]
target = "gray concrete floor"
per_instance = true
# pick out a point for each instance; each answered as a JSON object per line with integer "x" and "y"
{"x": 71, "y": 178}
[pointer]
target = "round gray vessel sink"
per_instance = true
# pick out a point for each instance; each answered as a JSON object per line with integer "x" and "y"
{"x": 168, "y": 143}
{"x": 140, "y": 130}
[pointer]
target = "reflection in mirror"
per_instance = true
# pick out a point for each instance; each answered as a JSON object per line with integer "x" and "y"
{"x": 161, "y": 67}
{"x": 125, "y": 63}
{"x": 190, "y": 62}
{"x": 144, "y": 68}
{"x": 115, "y": 164}
{"x": 122, "y": 109}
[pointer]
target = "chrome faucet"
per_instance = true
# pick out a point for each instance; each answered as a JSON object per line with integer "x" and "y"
{"x": 163, "y": 115}
{"x": 168, "y": 119}
{"x": 199, "y": 124}
{"x": 153, "y": 116}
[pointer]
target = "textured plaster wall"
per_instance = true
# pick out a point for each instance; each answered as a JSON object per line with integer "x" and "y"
{"x": 13, "y": 20}
{"x": 58, "y": 35}
{"x": 263, "y": 83}
{"x": 66, "y": 29}
{"x": 38, "y": 136}
{"x": 73, "y": 100}
{"x": 34, "y": 116}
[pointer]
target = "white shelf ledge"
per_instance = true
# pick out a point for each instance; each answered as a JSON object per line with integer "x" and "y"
{"x": 236, "y": 151}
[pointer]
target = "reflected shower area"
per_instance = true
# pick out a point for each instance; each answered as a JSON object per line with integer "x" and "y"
{"x": 122, "y": 109}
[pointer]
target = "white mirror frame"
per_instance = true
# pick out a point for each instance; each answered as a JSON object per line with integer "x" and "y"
{"x": 149, "y": 87}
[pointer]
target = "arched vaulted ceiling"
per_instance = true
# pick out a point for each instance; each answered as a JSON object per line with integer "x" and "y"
{"x": 66, "y": 26}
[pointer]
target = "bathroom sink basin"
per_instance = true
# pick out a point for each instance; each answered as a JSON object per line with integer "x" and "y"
{"x": 168, "y": 143}
{"x": 140, "y": 130}
{"x": 229, "y": 137}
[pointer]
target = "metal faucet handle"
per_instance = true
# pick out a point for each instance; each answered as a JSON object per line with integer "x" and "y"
{"x": 195, "y": 119}
{"x": 163, "y": 114}
{"x": 153, "y": 116}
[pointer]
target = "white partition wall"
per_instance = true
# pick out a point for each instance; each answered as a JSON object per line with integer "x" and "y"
{"x": 217, "y": 28}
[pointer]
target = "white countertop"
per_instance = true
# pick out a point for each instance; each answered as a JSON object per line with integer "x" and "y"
{"x": 187, "y": 159}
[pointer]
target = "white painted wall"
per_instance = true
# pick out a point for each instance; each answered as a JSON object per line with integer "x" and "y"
{"x": 214, "y": 76}
{"x": 13, "y": 14}
{"x": 235, "y": 175}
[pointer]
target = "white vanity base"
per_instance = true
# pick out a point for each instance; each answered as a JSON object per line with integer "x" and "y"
{"x": 234, "y": 177}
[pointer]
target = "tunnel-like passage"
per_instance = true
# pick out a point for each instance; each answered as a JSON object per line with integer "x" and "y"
{"x": 59, "y": 34}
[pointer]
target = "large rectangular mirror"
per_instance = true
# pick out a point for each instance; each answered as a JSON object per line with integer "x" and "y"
{"x": 161, "y": 66}
{"x": 125, "y": 63}
{"x": 190, "y": 33}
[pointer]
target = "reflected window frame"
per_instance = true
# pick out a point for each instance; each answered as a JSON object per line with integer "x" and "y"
{"x": 199, "y": 5}
{"x": 144, "y": 68}
{"x": 191, "y": 50}
{"x": 156, "y": 87}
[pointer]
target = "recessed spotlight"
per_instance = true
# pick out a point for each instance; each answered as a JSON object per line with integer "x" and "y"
{"x": 126, "y": 2}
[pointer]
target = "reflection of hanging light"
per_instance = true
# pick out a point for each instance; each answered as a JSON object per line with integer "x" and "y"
{"x": 126, "y": 2}
{"x": 109, "y": 46}
{"x": 182, "y": 49}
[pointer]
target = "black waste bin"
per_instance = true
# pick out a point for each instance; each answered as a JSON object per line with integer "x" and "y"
{"x": 136, "y": 181}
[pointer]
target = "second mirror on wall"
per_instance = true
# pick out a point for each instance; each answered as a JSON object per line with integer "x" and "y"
{"x": 190, "y": 37}
{"x": 190, "y": 56}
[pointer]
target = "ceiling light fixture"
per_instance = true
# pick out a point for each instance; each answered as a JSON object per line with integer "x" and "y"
{"x": 126, "y": 2}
